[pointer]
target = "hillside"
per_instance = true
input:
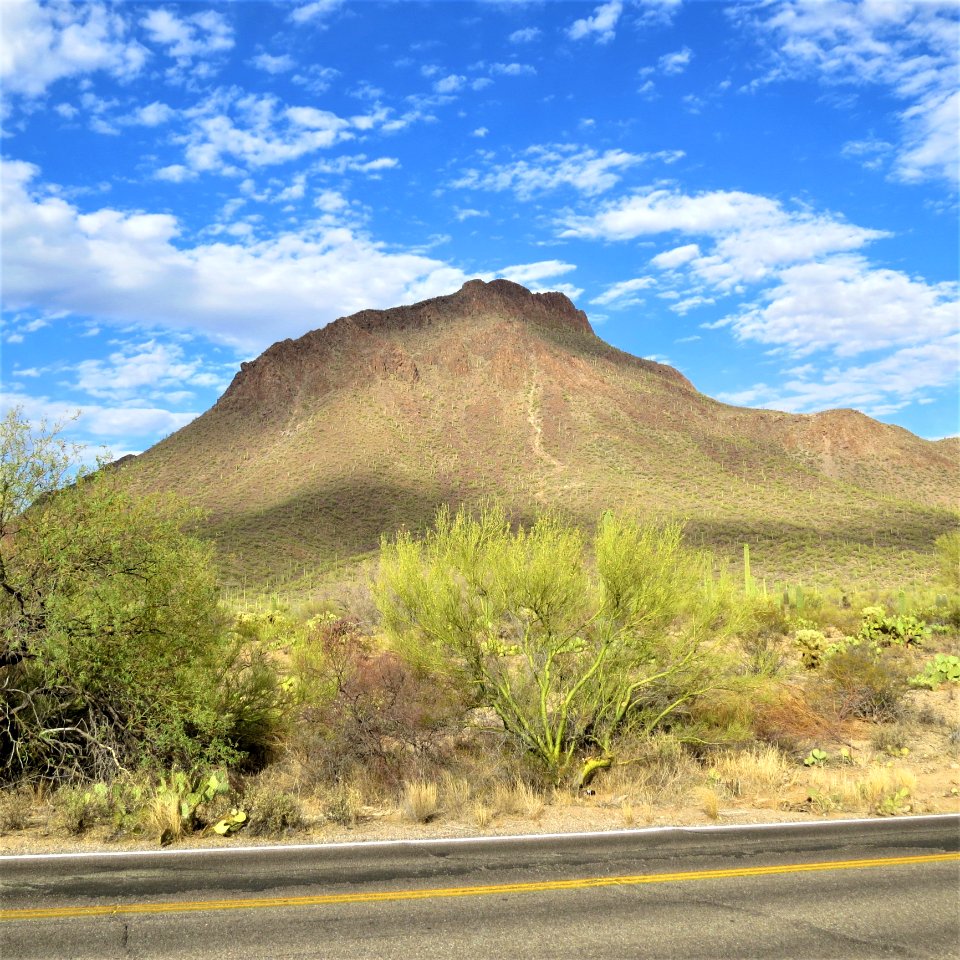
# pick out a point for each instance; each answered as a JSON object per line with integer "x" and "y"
{"x": 324, "y": 443}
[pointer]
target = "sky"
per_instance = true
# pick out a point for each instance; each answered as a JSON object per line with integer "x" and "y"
{"x": 763, "y": 195}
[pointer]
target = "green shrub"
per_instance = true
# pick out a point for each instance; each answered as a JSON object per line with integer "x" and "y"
{"x": 867, "y": 684}
{"x": 883, "y": 631}
{"x": 568, "y": 655}
{"x": 947, "y": 552}
{"x": 272, "y": 812}
{"x": 943, "y": 668}
{"x": 114, "y": 651}
{"x": 812, "y": 645}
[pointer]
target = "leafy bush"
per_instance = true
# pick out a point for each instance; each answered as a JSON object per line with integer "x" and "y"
{"x": 943, "y": 668}
{"x": 272, "y": 812}
{"x": 568, "y": 658}
{"x": 114, "y": 651}
{"x": 947, "y": 552}
{"x": 812, "y": 644}
{"x": 866, "y": 684}
{"x": 367, "y": 707}
{"x": 883, "y": 631}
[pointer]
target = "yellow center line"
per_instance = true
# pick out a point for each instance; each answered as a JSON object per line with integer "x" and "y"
{"x": 386, "y": 896}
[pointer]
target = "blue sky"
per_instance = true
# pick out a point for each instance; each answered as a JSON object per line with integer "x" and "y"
{"x": 763, "y": 195}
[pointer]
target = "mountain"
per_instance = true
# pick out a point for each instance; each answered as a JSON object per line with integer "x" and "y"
{"x": 324, "y": 443}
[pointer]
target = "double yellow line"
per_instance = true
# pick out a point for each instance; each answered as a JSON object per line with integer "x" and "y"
{"x": 387, "y": 896}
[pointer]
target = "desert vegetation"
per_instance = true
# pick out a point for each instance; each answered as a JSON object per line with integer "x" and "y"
{"x": 491, "y": 672}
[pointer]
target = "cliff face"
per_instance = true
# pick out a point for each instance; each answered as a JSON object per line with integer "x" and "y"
{"x": 324, "y": 443}
{"x": 378, "y": 343}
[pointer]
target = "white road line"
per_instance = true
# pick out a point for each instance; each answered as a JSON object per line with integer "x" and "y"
{"x": 466, "y": 841}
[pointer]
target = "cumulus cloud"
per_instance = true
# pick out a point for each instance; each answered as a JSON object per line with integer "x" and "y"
{"x": 676, "y": 257}
{"x": 548, "y": 167}
{"x": 152, "y": 115}
{"x": 40, "y": 45}
{"x": 229, "y": 131}
{"x": 152, "y": 367}
{"x": 533, "y": 275}
{"x": 198, "y": 35}
{"x": 908, "y": 48}
{"x": 271, "y": 64}
{"x": 753, "y": 235}
{"x": 623, "y": 294}
{"x": 315, "y": 11}
{"x": 814, "y": 294}
{"x": 601, "y": 27}
{"x": 850, "y": 307}
{"x": 450, "y": 84}
{"x": 525, "y": 35}
{"x": 880, "y": 387}
{"x": 673, "y": 63}
{"x": 101, "y": 422}
{"x": 129, "y": 268}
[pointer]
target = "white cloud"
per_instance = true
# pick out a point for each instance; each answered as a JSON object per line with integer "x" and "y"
{"x": 532, "y": 275}
{"x": 449, "y": 84}
{"x": 253, "y": 131}
{"x": 122, "y": 267}
{"x": 556, "y": 165}
{"x": 315, "y": 11}
{"x": 673, "y": 63}
{"x": 512, "y": 69}
{"x": 909, "y": 48}
{"x": 175, "y": 173}
{"x": 906, "y": 375}
{"x": 42, "y": 44}
{"x": 850, "y": 307}
{"x": 98, "y": 420}
{"x": 150, "y": 367}
{"x": 271, "y": 64}
{"x": 622, "y": 294}
{"x": 468, "y": 213}
{"x": 676, "y": 257}
{"x": 525, "y": 35}
{"x": 753, "y": 235}
{"x": 480, "y": 132}
{"x": 199, "y": 35}
{"x": 152, "y": 115}
{"x": 601, "y": 26}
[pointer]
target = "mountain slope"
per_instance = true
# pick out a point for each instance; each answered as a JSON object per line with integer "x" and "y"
{"x": 324, "y": 443}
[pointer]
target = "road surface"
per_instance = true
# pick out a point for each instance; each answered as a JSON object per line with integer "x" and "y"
{"x": 856, "y": 889}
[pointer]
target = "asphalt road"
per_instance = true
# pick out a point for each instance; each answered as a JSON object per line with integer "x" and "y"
{"x": 881, "y": 888}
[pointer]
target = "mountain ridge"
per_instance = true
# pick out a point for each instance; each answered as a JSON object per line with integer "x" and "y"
{"x": 324, "y": 443}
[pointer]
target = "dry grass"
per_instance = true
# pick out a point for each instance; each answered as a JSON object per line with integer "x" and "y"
{"x": 421, "y": 801}
{"x": 709, "y": 801}
{"x": 161, "y": 817}
{"x": 517, "y": 799}
{"x": 758, "y": 773}
{"x": 883, "y": 790}
{"x": 483, "y": 815}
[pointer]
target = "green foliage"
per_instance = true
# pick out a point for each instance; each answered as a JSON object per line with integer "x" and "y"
{"x": 114, "y": 651}
{"x": 943, "y": 668}
{"x": 568, "y": 655}
{"x": 894, "y": 804}
{"x": 812, "y": 644}
{"x": 231, "y": 823}
{"x": 816, "y": 758}
{"x": 884, "y": 631}
{"x": 361, "y": 706}
{"x": 272, "y": 812}
{"x": 866, "y": 683}
{"x": 947, "y": 553}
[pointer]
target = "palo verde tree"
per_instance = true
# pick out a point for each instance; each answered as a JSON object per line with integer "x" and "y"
{"x": 569, "y": 651}
{"x": 114, "y": 651}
